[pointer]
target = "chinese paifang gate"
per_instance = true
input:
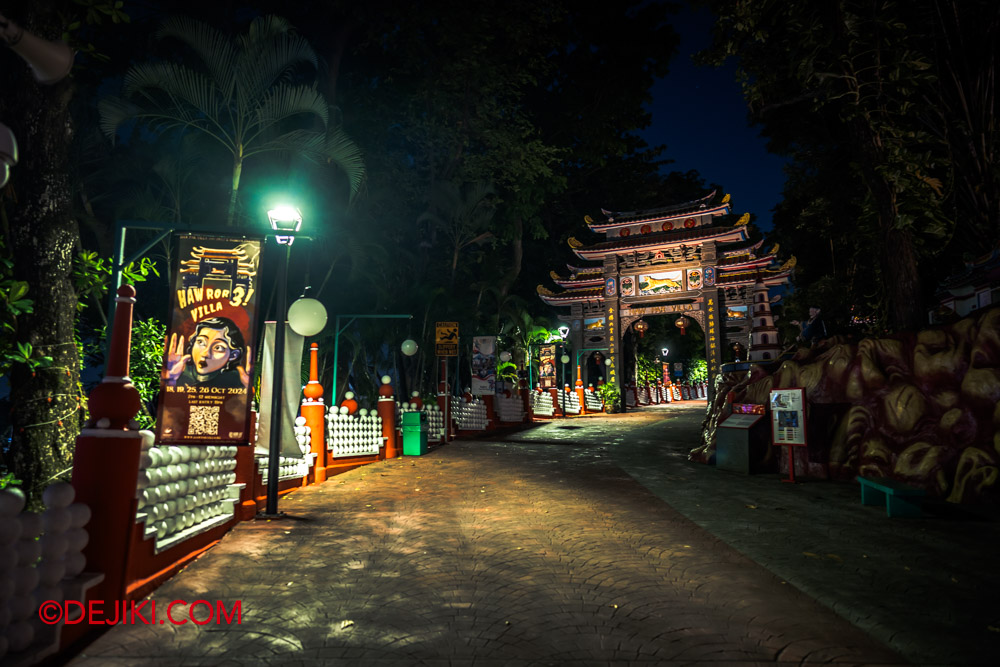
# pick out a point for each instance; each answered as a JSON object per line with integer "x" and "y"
{"x": 693, "y": 259}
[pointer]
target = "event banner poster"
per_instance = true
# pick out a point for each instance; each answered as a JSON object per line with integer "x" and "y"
{"x": 484, "y": 365}
{"x": 547, "y": 366}
{"x": 204, "y": 386}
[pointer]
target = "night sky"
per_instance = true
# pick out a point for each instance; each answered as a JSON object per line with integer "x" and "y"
{"x": 700, "y": 115}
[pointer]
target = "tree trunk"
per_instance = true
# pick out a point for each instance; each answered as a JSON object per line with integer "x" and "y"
{"x": 898, "y": 255}
{"x": 237, "y": 170}
{"x": 903, "y": 285}
{"x": 45, "y": 412}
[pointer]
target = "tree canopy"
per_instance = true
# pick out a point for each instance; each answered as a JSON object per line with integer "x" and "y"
{"x": 888, "y": 113}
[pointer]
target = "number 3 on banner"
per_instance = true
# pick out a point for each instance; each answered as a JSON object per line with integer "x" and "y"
{"x": 240, "y": 296}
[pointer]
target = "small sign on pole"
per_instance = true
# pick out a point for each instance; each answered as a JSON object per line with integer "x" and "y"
{"x": 788, "y": 421}
{"x": 446, "y": 339}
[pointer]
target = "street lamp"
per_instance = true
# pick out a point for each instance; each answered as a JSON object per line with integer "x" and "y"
{"x": 563, "y": 332}
{"x": 288, "y": 220}
{"x": 565, "y": 360}
{"x": 665, "y": 351}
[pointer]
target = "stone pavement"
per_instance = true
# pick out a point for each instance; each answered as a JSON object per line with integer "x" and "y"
{"x": 557, "y": 547}
{"x": 926, "y": 588}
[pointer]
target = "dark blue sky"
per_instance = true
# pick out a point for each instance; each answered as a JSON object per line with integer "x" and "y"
{"x": 700, "y": 115}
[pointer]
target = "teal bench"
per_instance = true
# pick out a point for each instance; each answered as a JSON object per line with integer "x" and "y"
{"x": 900, "y": 499}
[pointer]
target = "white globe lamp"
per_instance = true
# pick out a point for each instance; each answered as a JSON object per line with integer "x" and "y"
{"x": 307, "y": 316}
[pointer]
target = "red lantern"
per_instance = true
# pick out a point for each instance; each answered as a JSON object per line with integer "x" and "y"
{"x": 682, "y": 324}
{"x": 641, "y": 327}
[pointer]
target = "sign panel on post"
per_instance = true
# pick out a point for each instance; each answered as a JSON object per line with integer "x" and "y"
{"x": 446, "y": 339}
{"x": 788, "y": 416}
{"x": 204, "y": 394}
{"x": 788, "y": 422}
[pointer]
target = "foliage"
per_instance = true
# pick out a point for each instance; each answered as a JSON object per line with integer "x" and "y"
{"x": 462, "y": 215}
{"x": 442, "y": 97}
{"x": 648, "y": 370}
{"x": 15, "y": 303}
{"x": 243, "y": 94}
{"x": 884, "y": 100}
{"x": 697, "y": 371}
{"x": 92, "y": 276}
{"x": 8, "y": 479}
{"x": 611, "y": 396}
{"x": 145, "y": 362}
{"x": 507, "y": 371}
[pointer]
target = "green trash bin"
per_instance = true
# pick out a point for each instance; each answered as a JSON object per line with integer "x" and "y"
{"x": 414, "y": 433}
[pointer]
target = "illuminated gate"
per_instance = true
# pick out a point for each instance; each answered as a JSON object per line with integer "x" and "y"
{"x": 694, "y": 259}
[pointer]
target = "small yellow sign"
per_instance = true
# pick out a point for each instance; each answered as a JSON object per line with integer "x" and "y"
{"x": 446, "y": 339}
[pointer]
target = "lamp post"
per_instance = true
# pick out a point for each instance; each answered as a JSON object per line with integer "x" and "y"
{"x": 562, "y": 390}
{"x": 287, "y": 221}
{"x": 531, "y": 384}
{"x": 564, "y": 359}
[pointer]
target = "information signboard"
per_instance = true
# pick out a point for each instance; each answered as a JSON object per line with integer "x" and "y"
{"x": 788, "y": 416}
{"x": 446, "y": 339}
{"x": 740, "y": 421}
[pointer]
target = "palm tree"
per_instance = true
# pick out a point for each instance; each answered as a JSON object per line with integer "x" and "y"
{"x": 462, "y": 214}
{"x": 242, "y": 96}
{"x": 526, "y": 333}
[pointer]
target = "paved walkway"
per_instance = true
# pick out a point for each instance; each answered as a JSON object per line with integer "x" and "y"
{"x": 556, "y": 547}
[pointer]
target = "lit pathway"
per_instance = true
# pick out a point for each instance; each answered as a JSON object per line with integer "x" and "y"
{"x": 489, "y": 554}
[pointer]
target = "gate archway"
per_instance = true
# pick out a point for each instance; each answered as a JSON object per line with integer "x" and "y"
{"x": 693, "y": 258}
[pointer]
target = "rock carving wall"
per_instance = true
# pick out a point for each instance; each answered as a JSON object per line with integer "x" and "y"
{"x": 922, "y": 408}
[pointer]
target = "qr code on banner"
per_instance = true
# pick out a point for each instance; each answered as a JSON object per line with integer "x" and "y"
{"x": 204, "y": 420}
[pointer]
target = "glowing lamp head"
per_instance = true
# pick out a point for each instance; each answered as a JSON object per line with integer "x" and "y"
{"x": 505, "y": 356}
{"x": 563, "y": 331}
{"x": 641, "y": 327}
{"x": 285, "y": 219}
{"x": 665, "y": 351}
{"x": 409, "y": 347}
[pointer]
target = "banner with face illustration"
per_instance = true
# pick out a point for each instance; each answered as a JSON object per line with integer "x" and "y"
{"x": 547, "y": 366}
{"x": 204, "y": 385}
